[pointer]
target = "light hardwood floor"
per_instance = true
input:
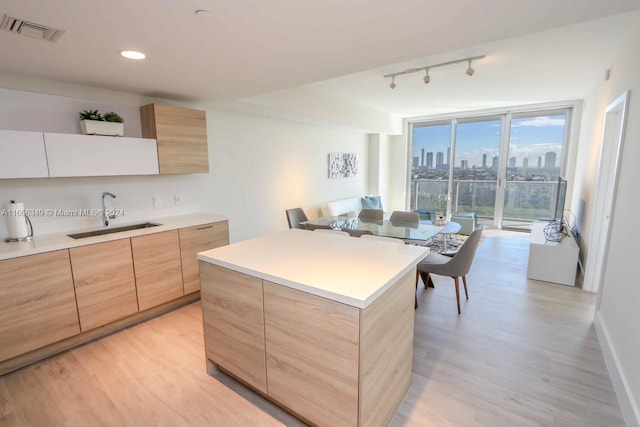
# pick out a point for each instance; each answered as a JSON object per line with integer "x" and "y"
{"x": 522, "y": 353}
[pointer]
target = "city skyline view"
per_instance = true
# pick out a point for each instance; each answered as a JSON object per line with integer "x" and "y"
{"x": 530, "y": 139}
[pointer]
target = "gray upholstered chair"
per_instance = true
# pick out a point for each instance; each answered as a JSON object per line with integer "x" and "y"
{"x": 358, "y": 233}
{"x": 454, "y": 267}
{"x": 295, "y": 217}
{"x": 313, "y": 227}
{"x": 383, "y": 239}
{"x": 371, "y": 215}
{"x": 405, "y": 217}
{"x": 334, "y": 232}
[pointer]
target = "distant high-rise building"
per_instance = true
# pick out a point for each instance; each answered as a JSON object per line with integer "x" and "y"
{"x": 539, "y": 162}
{"x": 422, "y": 157}
{"x": 512, "y": 162}
{"x": 416, "y": 161}
{"x": 549, "y": 160}
{"x": 494, "y": 163}
{"x": 484, "y": 160}
{"x": 430, "y": 160}
{"x": 464, "y": 164}
{"x": 439, "y": 159}
{"x": 525, "y": 163}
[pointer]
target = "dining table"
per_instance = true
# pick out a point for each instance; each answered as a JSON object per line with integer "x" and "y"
{"x": 409, "y": 232}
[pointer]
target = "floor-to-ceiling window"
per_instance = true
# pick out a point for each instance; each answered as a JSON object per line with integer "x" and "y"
{"x": 504, "y": 167}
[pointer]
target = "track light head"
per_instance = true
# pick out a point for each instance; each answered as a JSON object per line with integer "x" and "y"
{"x": 470, "y": 70}
{"x": 393, "y": 82}
{"x": 427, "y": 77}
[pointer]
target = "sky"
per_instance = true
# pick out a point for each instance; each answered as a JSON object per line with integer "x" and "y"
{"x": 530, "y": 137}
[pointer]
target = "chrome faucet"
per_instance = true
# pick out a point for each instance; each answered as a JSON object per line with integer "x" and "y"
{"x": 106, "y": 217}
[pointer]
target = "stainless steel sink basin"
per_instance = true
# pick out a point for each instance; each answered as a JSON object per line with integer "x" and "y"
{"x": 112, "y": 230}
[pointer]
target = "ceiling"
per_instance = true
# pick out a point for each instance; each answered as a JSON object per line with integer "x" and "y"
{"x": 246, "y": 48}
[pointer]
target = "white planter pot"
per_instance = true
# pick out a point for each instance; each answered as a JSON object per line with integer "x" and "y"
{"x": 96, "y": 127}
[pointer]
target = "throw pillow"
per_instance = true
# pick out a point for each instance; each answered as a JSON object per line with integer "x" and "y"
{"x": 371, "y": 202}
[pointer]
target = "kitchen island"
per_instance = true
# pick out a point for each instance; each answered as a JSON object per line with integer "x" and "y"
{"x": 319, "y": 323}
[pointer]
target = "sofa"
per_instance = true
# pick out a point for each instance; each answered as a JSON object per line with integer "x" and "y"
{"x": 350, "y": 206}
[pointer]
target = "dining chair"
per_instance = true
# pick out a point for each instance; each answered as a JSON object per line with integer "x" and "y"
{"x": 295, "y": 217}
{"x": 371, "y": 215}
{"x": 336, "y": 232}
{"x": 358, "y": 233}
{"x": 405, "y": 217}
{"x": 454, "y": 267}
{"x": 383, "y": 239}
{"x": 313, "y": 227}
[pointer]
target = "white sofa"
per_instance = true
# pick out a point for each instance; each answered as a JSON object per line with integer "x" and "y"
{"x": 351, "y": 205}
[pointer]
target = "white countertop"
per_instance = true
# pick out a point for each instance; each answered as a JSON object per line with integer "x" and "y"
{"x": 349, "y": 270}
{"x": 55, "y": 241}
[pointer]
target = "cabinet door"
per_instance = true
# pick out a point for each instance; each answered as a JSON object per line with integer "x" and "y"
{"x": 156, "y": 261}
{"x": 94, "y": 155}
{"x": 182, "y": 137}
{"x": 37, "y": 303}
{"x": 104, "y": 282}
{"x": 312, "y": 355}
{"x": 234, "y": 323}
{"x": 197, "y": 239}
{"x": 22, "y": 155}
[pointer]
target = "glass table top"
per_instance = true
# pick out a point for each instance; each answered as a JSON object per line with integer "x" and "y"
{"x": 386, "y": 228}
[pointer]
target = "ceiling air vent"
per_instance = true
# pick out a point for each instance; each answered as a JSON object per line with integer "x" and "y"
{"x": 31, "y": 29}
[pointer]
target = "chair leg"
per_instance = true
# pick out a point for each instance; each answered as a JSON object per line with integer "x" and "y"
{"x": 464, "y": 280}
{"x": 426, "y": 279}
{"x": 457, "y": 280}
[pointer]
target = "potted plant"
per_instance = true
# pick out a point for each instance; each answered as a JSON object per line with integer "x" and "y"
{"x": 94, "y": 123}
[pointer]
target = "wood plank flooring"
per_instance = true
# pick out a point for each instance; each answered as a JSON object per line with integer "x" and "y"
{"x": 523, "y": 353}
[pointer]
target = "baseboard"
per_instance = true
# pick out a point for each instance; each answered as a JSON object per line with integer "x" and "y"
{"x": 628, "y": 406}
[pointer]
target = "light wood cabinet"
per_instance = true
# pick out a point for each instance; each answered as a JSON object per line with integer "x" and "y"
{"x": 312, "y": 349}
{"x": 181, "y": 134}
{"x": 37, "y": 302}
{"x": 330, "y": 363}
{"x": 156, "y": 260}
{"x": 197, "y": 239}
{"x": 104, "y": 282}
{"x": 234, "y": 323}
{"x": 22, "y": 155}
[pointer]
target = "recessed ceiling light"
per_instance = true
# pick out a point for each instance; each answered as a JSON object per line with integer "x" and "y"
{"x": 132, "y": 54}
{"x": 203, "y": 13}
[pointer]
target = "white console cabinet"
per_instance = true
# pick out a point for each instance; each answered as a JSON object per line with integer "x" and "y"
{"x": 554, "y": 262}
{"x": 22, "y": 155}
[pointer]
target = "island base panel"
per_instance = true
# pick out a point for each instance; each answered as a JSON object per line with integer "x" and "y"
{"x": 386, "y": 352}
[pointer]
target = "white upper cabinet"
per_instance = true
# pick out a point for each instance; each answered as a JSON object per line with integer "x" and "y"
{"x": 22, "y": 155}
{"x": 93, "y": 155}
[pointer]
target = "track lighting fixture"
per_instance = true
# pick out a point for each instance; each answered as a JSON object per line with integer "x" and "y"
{"x": 426, "y": 68}
{"x": 470, "y": 70}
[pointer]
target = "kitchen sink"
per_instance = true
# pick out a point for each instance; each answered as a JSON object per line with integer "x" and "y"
{"x": 103, "y": 231}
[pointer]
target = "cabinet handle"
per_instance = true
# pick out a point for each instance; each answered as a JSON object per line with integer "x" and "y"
{"x": 205, "y": 227}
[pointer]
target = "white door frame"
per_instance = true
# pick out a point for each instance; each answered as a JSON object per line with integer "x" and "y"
{"x": 603, "y": 208}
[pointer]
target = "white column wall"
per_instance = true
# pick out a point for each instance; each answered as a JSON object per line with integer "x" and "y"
{"x": 618, "y": 316}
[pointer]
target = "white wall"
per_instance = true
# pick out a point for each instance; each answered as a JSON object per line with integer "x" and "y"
{"x": 259, "y": 166}
{"x": 618, "y": 314}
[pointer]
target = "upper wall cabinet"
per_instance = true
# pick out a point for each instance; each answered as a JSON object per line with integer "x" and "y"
{"x": 22, "y": 155}
{"x": 93, "y": 155}
{"x": 182, "y": 137}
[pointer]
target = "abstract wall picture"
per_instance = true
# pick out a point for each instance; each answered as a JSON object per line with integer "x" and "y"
{"x": 343, "y": 165}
